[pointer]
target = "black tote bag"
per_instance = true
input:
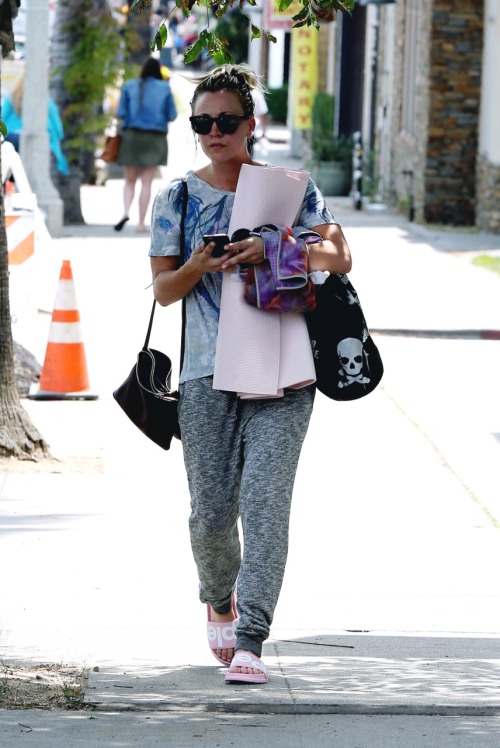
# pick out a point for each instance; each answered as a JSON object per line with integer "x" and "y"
{"x": 347, "y": 361}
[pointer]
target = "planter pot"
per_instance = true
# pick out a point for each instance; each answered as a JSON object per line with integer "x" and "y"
{"x": 332, "y": 177}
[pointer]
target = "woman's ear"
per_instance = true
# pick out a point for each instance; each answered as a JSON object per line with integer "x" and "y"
{"x": 251, "y": 127}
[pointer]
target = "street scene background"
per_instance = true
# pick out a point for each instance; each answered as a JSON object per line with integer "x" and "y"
{"x": 390, "y": 604}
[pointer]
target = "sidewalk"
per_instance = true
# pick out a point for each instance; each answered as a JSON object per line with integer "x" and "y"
{"x": 390, "y": 607}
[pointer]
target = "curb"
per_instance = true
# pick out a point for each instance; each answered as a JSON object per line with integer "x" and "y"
{"x": 367, "y": 710}
{"x": 458, "y": 334}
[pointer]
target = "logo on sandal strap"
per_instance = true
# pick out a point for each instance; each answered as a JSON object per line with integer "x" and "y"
{"x": 222, "y": 636}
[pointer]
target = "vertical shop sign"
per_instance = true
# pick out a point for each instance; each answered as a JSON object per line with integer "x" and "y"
{"x": 305, "y": 75}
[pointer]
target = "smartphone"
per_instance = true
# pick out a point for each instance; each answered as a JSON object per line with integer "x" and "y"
{"x": 220, "y": 241}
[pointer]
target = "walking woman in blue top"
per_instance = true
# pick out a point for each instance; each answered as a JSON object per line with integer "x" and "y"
{"x": 146, "y": 107}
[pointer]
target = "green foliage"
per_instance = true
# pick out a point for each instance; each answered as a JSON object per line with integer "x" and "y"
{"x": 217, "y": 46}
{"x": 277, "y": 103}
{"x": 73, "y": 696}
{"x": 96, "y": 63}
{"x": 160, "y": 38}
{"x": 324, "y": 145}
{"x": 234, "y": 28}
{"x": 370, "y": 175}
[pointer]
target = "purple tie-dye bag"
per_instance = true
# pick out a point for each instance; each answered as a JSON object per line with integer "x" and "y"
{"x": 282, "y": 282}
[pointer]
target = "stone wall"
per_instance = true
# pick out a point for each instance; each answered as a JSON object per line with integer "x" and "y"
{"x": 454, "y": 98}
{"x": 488, "y": 204}
{"x": 440, "y": 147}
{"x": 408, "y": 148}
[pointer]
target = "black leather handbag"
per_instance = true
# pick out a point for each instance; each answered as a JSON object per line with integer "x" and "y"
{"x": 146, "y": 395}
{"x": 347, "y": 361}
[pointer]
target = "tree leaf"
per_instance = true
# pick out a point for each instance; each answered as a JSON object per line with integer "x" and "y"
{"x": 193, "y": 51}
{"x": 256, "y": 32}
{"x": 221, "y": 56}
{"x": 301, "y": 15}
{"x": 3, "y": 128}
{"x": 160, "y": 38}
{"x": 270, "y": 37}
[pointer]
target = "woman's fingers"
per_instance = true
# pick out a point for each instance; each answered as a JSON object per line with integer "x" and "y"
{"x": 248, "y": 250}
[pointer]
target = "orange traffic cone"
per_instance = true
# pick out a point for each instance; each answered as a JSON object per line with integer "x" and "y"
{"x": 64, "y": 372}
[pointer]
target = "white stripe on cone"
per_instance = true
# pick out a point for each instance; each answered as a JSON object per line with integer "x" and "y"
{"x": 65, "y": 332}
{"x": 65, "y": 296}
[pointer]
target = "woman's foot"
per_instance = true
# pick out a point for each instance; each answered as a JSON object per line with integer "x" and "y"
{"x": 118, "y": 226}
{"x": 142, "y": 229}
{"x": 246, "y": 667}
{"x": 221, "y": 633}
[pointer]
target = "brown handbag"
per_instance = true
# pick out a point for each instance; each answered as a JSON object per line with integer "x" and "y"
{"x": 111, "y": 148}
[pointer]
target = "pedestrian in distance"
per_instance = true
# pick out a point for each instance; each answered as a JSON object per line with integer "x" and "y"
{"x": 12, "y": 115}
{"x": 145, "y": 109}
{"x": 240, "y": 454}
{"x": 261, "y": 112}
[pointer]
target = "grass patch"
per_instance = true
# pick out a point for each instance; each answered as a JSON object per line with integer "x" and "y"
{"x": 488, "y": 262}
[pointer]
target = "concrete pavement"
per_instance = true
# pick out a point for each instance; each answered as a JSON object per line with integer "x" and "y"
{"x": 386, "y": 633}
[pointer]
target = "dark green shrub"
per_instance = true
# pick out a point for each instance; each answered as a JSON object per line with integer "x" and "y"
{"x": 277, "y": 102}
{"x": 325, "y": 146}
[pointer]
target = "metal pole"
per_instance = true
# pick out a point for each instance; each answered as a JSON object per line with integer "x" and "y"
{"x": 34, "y": 141}
{"x": 357, "y": 171}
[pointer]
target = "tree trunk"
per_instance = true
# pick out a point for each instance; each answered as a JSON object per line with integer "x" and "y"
{"x": 69, "y": 189}
{"x": 18, "y": 436}
{"x": 63, "y": 40}
{"x": 140, "y": 24}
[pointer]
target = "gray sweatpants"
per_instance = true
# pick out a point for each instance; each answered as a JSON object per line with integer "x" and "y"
{"x": 241, "y": 458}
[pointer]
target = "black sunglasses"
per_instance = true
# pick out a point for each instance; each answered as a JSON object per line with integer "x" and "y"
{"x": 227, "y": 124}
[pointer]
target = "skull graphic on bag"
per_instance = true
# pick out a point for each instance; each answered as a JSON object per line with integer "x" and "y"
{"x": 351, "y": 358}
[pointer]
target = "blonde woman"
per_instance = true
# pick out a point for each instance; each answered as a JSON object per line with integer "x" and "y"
{"x": 241, "y": 455}
{"x": 12, "y": 115}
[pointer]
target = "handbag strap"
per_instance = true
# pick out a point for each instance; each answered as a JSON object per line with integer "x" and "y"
{"x": 182, "y": 252}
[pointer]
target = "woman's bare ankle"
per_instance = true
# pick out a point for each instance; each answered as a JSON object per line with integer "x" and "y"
{"x": 229, "y": 616}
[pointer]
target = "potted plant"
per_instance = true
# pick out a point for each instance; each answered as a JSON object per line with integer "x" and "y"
{"x": 331, "y": 156}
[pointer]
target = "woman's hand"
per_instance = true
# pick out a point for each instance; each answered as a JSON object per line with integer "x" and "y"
{"x": 172, "y": 282}
{"x": 249, "y": 250}
{"x": 202, "y": 260}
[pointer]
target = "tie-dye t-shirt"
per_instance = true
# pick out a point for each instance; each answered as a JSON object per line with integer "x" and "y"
{"x": 208, "y": 212}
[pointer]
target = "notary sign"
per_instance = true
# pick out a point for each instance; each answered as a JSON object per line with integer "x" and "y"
{"x": 305, "y": 75}
{"x": 276, "y": 19}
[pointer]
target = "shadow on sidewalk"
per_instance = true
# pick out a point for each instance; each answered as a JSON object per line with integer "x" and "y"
{"x": 344, "y": 674}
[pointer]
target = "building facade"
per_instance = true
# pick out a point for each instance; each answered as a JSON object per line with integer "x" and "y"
{"x": 436, "y": 107}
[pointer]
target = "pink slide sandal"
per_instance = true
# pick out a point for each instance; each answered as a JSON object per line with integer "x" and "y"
{"x": 221, "y": 634}
{"x": 248, "y": 660}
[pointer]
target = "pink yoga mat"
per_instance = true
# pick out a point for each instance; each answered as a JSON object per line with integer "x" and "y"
{"x": 259, "y": 353}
